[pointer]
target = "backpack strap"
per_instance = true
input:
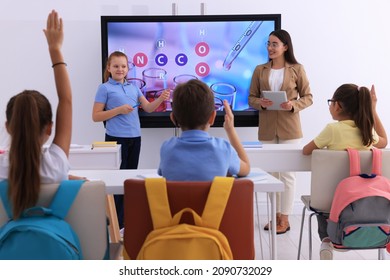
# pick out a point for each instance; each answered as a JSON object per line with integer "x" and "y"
{"x": 354, "y": 162}
{"x": 4, "y": 197}
{"x": 216, "y": 201}
{"x": 156, "y": 191}
{"x": 62, "y": 200}
{"x": 376, "y": 161}
{"x": 214, "y": 209}
{"x": 64, "y": 197}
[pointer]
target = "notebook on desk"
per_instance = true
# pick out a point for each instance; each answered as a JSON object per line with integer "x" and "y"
{"x": 252, "y": 144}
{"x": 148, "y": 175}
{"x": 257, "y": 176}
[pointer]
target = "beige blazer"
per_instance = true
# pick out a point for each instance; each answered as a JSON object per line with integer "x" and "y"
{"x": 283, "y": 124}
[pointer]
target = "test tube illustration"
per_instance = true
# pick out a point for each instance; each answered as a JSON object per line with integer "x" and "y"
{"x": 241, "y": 43}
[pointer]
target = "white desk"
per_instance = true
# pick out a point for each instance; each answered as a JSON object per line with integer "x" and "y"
{"x": 83, "y": 157}
{"x": 114, "y": 180}
{"x": 279, "y": 158}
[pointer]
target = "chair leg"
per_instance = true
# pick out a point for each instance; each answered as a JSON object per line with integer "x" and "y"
{"x": 301, "y": 232}
{"x": 310, "y": 236}
{"x": 381, "y": 254}
{"x": 112, "y": 216}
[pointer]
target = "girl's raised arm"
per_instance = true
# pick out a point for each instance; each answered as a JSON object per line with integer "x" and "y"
{"x": 63, "y": 127}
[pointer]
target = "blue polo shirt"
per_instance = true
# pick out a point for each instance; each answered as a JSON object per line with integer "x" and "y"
{"x": 114, "y": 94}
{"x": 196, "y": 156}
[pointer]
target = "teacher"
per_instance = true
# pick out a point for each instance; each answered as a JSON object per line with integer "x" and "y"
{"x": 281, "y": 73}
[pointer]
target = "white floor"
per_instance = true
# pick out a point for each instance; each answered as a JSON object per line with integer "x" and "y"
{"x": 287, "y": 244}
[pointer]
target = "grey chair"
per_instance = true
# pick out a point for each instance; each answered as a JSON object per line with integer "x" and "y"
{"x": 87, "y": 216}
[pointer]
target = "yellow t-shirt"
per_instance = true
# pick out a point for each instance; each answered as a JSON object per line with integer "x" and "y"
{"x": 341, "y": 135}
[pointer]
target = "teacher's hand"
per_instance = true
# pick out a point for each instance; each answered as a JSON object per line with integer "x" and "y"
{"x": 264, "y": 102}
{"x": 286, "y": 106}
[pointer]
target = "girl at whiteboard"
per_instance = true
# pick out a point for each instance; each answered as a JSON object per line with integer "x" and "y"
{"x": 116, "y": 104}
{"x": 281, "y": 73}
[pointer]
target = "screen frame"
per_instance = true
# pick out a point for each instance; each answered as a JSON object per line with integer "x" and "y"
{"x": 162, "y": 119}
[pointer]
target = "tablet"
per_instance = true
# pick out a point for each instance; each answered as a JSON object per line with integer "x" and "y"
{"x": 277, "y": 97}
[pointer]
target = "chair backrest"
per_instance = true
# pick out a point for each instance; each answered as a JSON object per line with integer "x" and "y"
{"x": 329, "y": 167}
{"x": 236, "y": 225}
{"x": 87, "y": 216}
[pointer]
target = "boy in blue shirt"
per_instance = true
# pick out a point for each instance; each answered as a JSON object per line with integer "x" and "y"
{"x": 195, "y": 155}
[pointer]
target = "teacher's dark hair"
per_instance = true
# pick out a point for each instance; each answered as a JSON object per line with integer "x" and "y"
{"x": 285, "y": 38}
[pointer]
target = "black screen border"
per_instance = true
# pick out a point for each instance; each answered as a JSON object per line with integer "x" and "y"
{"x": 162, "y": 119}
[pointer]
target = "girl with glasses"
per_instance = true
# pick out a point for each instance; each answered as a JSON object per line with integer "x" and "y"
{"x": 358, "y": 126}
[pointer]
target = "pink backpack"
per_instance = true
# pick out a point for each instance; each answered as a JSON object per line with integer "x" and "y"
{"x": 360, "y": 213}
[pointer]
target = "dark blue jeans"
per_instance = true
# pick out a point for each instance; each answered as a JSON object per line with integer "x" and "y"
{"x": 130, "y": 151}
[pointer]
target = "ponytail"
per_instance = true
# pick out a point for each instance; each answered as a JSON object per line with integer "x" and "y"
{"x": 357, "y": 105}
{"x": 364, "y": 118}
{"x": 28, "y": 113}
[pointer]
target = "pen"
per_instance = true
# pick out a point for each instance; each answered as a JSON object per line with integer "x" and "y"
{"x": 137, "y": 104}
{"x": 240, "y": 44}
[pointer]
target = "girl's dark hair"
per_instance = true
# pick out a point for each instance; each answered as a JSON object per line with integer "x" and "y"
{"x": 113, "y": 54}
{"x": 356, "y": 103}
{"x": 192, "y": 104}
{"x": 28, "y": 114}
{"x": 285, "y": 38}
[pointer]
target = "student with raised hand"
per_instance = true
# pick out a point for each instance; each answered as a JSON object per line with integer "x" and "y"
{"x": 281, "y": 73}
{"x": 29, "y": 122}
{"x": 195, "y": 155}
{"x": 358, "y": 126}
{"x": 116, "y": 103}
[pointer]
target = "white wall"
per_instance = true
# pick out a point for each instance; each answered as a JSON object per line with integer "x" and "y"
{"x": 338, "y": 41}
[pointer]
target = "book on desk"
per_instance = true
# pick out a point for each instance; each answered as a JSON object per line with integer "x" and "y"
{"x": 252, "y": 144}
{"x": 104, "y": 144}
{"x": 148, "y": 175}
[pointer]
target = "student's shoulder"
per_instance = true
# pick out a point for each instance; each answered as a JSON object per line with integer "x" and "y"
{"x": 221, "y": 142}
{"x": 330, "y": 128}
{"x": 168, "y": 143}
{"x": 103, "y": 87}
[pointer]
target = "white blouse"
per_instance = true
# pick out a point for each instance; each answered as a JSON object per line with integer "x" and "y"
{"x": 276, "y": 79}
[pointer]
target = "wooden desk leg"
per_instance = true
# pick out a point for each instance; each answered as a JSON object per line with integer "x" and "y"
{"x": 112, "y": 216}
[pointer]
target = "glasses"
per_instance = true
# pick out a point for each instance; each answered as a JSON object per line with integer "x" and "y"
{"x": 330, "y": 101}
{"x": 273, "y": 45}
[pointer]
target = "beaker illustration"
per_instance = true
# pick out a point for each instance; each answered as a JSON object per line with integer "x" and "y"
{"x": 224, "y": 91}
{"x": 218, "y": 104}
{"x": 155, "y": 82}
{"x": 180, "y": 79}
{"x": 139, "y": 83}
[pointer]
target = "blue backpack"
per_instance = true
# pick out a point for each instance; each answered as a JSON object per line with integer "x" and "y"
{"x": 41, "y": 233}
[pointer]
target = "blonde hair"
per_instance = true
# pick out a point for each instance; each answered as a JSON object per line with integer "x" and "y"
{"x": 113, "y": 54}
